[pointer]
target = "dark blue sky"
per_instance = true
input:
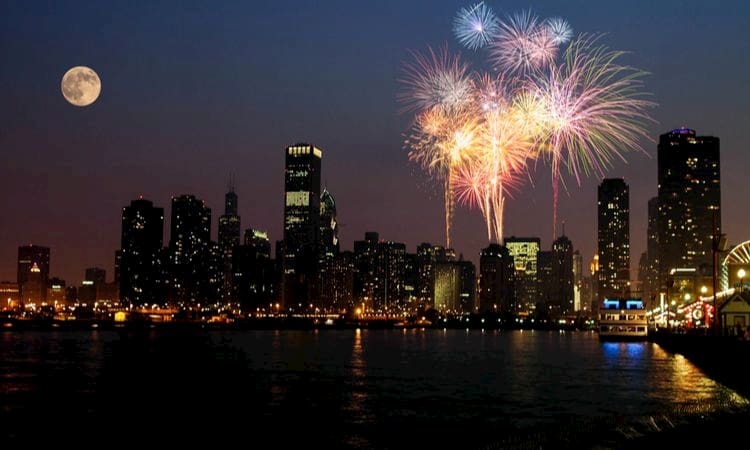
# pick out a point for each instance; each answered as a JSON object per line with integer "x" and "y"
{"x": 195, "y": 90}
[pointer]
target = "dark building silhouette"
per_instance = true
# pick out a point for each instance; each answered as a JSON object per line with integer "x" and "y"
{"x": 141, "y": 264}
{"x": 563, "y": 283}
{"x": 94, "y": 279}
{"x": 578, "y": 274}
{"x": 545, "y": 262}
{"x": 337, "y": 294}
{"x": 190, "y": 251}
{"x": 689, "y": 201}
{"x": 33, "y": 284}
{"x": 613, "y": 238}
{"x": 365, "y": 268}
{"x": 301, "y": 225}
{"x": 496, "y": 279}
{"x": 411, "y": 280}
{"x": 254, "y": 273}
{"x": 389, "y": 293}
{"x": 329, "y": 227}
{"x": 229, "y": 238}
{"x": 118, "y": 262}
{"x": 651, "y": 284}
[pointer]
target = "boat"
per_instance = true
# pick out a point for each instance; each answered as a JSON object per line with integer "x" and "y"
{"x": 622, "y": 319}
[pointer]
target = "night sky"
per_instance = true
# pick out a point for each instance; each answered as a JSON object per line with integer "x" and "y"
{"x": 194, "y": 91}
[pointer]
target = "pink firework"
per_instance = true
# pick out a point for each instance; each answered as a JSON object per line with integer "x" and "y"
{"x": 522, "y": 44}
{"x": 594, "y": 111}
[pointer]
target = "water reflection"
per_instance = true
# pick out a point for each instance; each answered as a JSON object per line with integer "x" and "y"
{"x": 357, "y": 405}
{"x": 361, "y": 387}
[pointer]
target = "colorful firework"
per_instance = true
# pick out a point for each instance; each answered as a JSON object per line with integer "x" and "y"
{"x": 477, "y": 133}
{"x": 595, "y": 111}
{"x": 475, "y": 26}
{"x": 522, "y": 44}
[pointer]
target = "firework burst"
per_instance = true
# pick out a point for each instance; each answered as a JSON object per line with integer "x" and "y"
{"x": 474, "y": 26}
{"x": 435, "y": 78}
{"x": 477, "y": 133}
{"x": 522, "y": 44}
{"x": 559, "y": 29}
{"x": 595, "y": 111}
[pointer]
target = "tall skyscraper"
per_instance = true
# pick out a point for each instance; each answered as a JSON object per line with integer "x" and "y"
{"x": 496, "y": 279}
{"x": 229, "y": 238}
{"x": 455, "y": 286}
{"x": 329, "y": 227}
{"x": 651, "y": 284}
{"x": 390, "y": 273}
{"x": 95, "y": 278}
{"x": 338, "y": 287}
{"x": 562, "y": 293}
{"x": 524, "y": 253}
{"x": 366, "y": 268}
{"x": 447, "y": 287}
{"x": 689, "y": 201}
{"x": 140, "y": 256}
{"x": 301, "y": 225}
{"x": 545, "y": 262}
{"x": 37, "y": 258}
{"x": 427, "y": 256}
{"x": 577, "y": 281}
{"x": 190, "y": 250}
{"x": 253, "y": 278}
{"x": 613, "y": 238}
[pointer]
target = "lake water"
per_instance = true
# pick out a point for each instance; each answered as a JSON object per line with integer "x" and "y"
{"x": 345, "y": 388}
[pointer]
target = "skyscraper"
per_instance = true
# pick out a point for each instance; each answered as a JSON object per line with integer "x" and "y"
{"x": 29, "y": 257}
{"x": 253, "y": 278}
{"x": 329, "y": 228}
{"x": 689, "y": 201}
{"x": 562, "y": 293}
{"x": 448, "y": 287}
{"x": 94, "y": 279}
{"x": 141, "y": 265}
{"x": 524, "y": 253}
{"x": 545, "y": 284}
{"x": 390, "y": 273}
{"x": 496, "y": 279}
{"x": 651, "y": 284}
{"x": 427, "y": 256}
{"x": 229, "y": 237}
{"x": 301, "y": 225}
{"x": 613, "y": 238}
{"x": 190, "y": 250}
{"x": 366, "y": 268}
{"x": 577, "y": 281}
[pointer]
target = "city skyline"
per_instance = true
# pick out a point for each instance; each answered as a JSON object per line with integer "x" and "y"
{"x": 63, "y": 165}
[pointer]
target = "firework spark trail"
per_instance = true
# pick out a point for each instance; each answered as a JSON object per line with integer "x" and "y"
{"x": 595, "y": 110}
{"x": 475, "y": 26}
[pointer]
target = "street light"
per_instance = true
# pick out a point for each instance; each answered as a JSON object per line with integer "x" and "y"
{"x": 671, "y": 322}
{"x": 704, "y": 289}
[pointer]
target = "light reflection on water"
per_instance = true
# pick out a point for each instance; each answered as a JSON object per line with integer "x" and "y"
{"x": 371, "y": 384}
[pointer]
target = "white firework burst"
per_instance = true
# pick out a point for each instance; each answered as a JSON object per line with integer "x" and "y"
{"x": 474, "y": 26}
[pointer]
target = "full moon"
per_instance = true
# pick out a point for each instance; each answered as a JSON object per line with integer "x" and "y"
{"x": 81, "y": 86}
